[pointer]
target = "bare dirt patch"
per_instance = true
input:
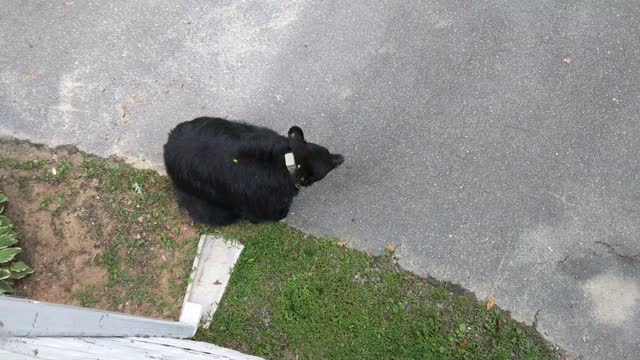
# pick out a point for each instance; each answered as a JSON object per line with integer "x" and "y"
{"x": 97, "y": 232}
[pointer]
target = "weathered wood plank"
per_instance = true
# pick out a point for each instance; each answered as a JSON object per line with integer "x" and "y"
{"x": 211, "y": 272}
{"x": 69, "y": 348}
{"x": 22, "y": 317}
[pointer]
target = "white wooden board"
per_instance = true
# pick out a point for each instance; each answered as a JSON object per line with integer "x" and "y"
{"x": 22, "y": 317}
{"x": 210, "y": 275}
{"x": 70, "y": 348}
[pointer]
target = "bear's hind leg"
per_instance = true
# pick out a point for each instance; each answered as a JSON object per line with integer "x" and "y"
{"x": 204, "y": 212}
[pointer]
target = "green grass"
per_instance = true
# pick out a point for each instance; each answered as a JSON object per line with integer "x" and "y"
{"x": 56, "y": 204}
{"x": 88, "y": 297}
{"x": 292, "y": 295}
{"x": 24, "y": 186}
{"x": 20, "y": 165}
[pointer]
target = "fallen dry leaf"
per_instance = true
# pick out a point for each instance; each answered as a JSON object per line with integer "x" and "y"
{"x": 369, "y": 254}
{"x": 389, "y": 248}
{"x": 567, "y": 60}
{"x": 295, "y": 254}
{"x": 342, "y": 244}
{"x": 500, "y": 325}
{"x": 491, "y": 302}
{"x": 464, "y": 343}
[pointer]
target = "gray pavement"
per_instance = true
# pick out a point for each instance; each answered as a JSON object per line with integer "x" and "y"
{"x": 495, "y": 142}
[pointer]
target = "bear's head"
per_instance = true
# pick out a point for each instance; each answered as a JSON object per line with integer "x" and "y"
{"x": 314, "y": 161}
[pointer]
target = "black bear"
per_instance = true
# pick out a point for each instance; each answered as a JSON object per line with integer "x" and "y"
{"x": 223, "y": 170}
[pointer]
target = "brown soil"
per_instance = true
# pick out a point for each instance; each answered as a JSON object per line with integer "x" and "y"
{"x": 92, "y": 239}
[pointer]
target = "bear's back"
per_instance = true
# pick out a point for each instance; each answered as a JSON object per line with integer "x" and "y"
{"x": 227, "y": 161}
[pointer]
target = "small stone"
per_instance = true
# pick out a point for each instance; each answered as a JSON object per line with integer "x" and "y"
{"x": 54, "y": 171}
{"x": 141, "y": 218}
{"x": 567, "y": 60}
{"x": 120, "y": 306}
{"x": 138, "y": 236}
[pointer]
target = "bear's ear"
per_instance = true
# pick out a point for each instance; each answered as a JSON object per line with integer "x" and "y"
{"x": 296, "y": 135}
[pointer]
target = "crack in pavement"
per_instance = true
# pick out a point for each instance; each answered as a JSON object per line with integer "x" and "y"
{"x": 612, "y": 250}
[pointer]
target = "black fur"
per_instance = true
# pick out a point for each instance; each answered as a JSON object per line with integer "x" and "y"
{"x": 223, "y": 170}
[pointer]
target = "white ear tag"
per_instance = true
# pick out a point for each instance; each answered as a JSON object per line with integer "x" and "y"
{"x": 289, "y": 160}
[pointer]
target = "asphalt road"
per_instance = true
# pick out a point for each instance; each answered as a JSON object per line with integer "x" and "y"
{"x": 495, "y": 143}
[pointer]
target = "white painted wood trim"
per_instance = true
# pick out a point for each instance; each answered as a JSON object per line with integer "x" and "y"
{"x": 184, "y": 315}
{"x": 210, "y": 275}
{"x": 70, "y": 348}
{"x": 22, "y": 317}
{"x": 191, "y": 314}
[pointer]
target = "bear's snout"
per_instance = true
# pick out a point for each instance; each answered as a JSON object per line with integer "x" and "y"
{"x": 337, "y": 160}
